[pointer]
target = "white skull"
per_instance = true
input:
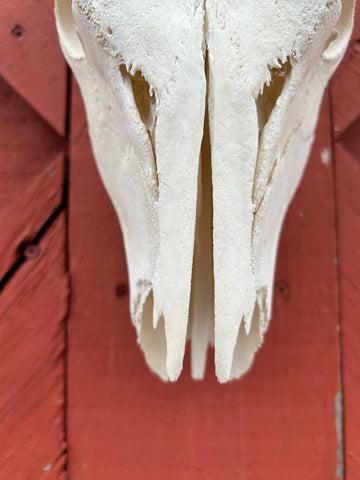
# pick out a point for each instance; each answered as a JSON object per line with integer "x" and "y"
{"x": 201, "y": 115}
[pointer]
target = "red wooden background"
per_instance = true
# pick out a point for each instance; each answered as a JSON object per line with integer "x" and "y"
{"x": 76, "y": 398}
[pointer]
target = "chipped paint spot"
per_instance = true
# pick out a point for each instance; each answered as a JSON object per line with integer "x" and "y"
{"x": 339, "y": 431}
{"x": 326, "y": 156}
{"x": 47, "y": 467}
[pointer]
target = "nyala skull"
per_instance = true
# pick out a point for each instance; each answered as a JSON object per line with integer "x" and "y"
{"x": 201, "y": 115}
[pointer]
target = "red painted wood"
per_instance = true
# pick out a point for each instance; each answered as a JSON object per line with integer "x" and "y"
{"x": 31, "y": 173}
{"x": 276, "y": 423}
{"x": 31, "y": 60}
{"x": 345, "y": 95}
{"x": 347, "y": 187}
{"x": 32, "y": 341}
{"x": 346, "y": 83}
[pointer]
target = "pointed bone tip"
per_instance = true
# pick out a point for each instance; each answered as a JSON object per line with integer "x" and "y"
{"x": 198, "y": 372}
{"x": 198, "y": 360}
{"x": 175, "y": 334}
{"x": 225, "y": 343}
{"x": 174, "y": 360}
{"x": 173, "y": 373}
{"x": 162, "y": 375}
{"x": 223, "y": 366}
{"x": 222, "y": 376}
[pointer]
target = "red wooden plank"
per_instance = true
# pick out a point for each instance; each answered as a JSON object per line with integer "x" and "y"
{"x": 276, "y": 423}
{"x": 347, "y": 187}
{"x": 31, "y": 173}
{"x": 31, "y": 60}
{"x": 346, "y": 83}
{"x": 345, "y": 103}
{"x": 32, "y": 363}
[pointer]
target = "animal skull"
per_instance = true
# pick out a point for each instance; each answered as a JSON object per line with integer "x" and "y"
{"x": 201, "y": 115}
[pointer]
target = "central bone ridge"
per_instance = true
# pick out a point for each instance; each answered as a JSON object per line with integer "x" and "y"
{"x": 201, "y": 118}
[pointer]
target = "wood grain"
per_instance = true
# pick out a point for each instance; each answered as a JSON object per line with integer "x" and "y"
{"x": 345, "y": 99}
{"x": 31, "y": 59}
{"x": 34, "y": 293}
{"x": 347, "y": 183}
{"x": 31, "y": 172}
{"x": 345, "y": 83}
{"x": 278, "y": 422}
{"x": 33, "y": 307}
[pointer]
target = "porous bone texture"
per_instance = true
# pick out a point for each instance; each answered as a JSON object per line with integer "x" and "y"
{"x": 201, "y": 115}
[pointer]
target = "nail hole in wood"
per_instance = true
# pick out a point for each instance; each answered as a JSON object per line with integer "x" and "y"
{"x": 31, "y": 251}
{"x": 121, "y": 290}
{"x": 282, "y": 288}
{"x": 17, "y": 31}
{"x": 356, "y": 46}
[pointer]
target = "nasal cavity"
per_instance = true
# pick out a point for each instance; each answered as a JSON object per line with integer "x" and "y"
{"x": 143, "y": 95}
{"x": 145, "y": 103}
{"x": 266, "y": 101}
{"x": 201, "y": 312}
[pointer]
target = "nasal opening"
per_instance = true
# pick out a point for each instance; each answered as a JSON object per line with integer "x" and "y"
{"x": 201, "y": 317}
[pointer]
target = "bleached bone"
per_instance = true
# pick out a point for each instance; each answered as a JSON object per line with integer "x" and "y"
{"x": 201, "y": 115}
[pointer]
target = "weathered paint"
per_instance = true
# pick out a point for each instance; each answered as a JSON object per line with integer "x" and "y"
{"x": 33, "y": 306}
{"x": 31, "y": 59}
{"x": 34, "y": 295}
{"x": 345, "y": 101}
{"x": 31, "y": 171}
